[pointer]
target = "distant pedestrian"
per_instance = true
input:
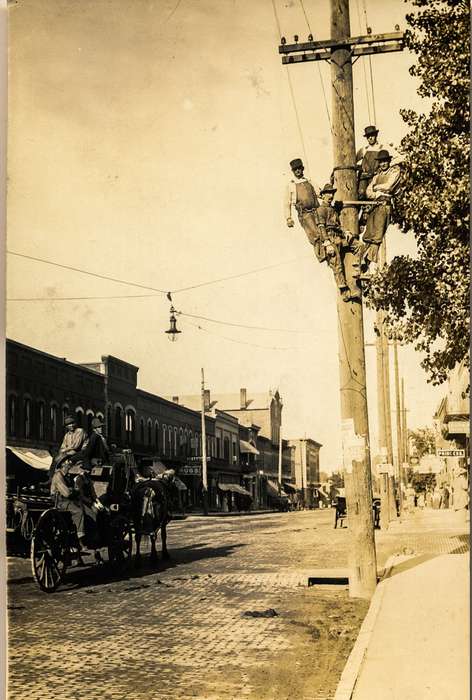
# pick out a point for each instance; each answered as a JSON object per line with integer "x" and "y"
{"x": 429, "y": 498}
{"x": 421, "y": 500}
{"x": 410, "y": 498}
{"x": 437, "y": 498}
{"x": 445, "y": 497}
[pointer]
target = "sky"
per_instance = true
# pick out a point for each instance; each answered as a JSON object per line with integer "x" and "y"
{"x": 149, "y": 142}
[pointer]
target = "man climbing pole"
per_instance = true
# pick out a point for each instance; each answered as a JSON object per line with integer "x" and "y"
{"x": 302, "y": 196}
{"x": 336, "y": 241}
{"x": 381, "y": 190}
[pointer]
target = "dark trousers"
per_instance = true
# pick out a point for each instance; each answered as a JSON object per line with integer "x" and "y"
{"x": 376, "y": 226}
{"x": 309, "y": 224}
{"x": 336, "y": 260}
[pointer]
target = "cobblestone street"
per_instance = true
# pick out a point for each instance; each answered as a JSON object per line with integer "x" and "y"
{"x": 180, "y": 630}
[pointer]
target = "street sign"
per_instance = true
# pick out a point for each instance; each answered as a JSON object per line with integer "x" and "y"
{"x": 385, "y": 469}
{"x": 190, "y": 470}
{"x": 450, "y": 453}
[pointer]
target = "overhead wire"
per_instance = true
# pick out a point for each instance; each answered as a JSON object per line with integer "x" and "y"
{"x": 241, "y": 325}
{"x": 319, "y": 70}
{"x": 238, "y": 342}
{"x": 142, "y": 286}
{"x": 364, "y": 66}
{"x": 292, "y": 92}
{"x": 370, "y": 64}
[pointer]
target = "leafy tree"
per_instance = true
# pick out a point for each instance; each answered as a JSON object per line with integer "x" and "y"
{"x": 423, "y": 441}
{"x": 427, "y": 297}
{"x": 422, "y": 482}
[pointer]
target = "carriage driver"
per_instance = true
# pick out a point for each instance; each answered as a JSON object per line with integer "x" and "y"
{"x": 68, "y": 498}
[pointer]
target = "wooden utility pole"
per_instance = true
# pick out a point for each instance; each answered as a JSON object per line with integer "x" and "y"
{"x": 204, "y": 453}
{"x": 404, "y": 425}
{"x": 280, "y": 460}
{"x": 339, "y": 51}
{"x": 398, "y": 421}
{"x": 385, "y": 351}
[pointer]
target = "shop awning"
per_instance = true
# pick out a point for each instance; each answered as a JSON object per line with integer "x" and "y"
{"x": 180, "y": 484}
{"x": 235, "y": 488}
{"x": 38, "y": 459}
{"x": 247, "y": 448}
{"x": 273, "y": 490}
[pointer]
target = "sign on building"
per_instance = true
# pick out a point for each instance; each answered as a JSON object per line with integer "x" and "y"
{"x": 450, "y": 453}
{"x": 190, "y": 470}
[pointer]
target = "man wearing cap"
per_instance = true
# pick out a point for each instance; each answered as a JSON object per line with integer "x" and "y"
{"x": 336, "y": 241}
{"x": 74, "y": 441}
{"x": 380, "y": 190}
{"x": 302, "y": 196}
{"x": 96, "y": 449}
{"x": 366, "y": 159}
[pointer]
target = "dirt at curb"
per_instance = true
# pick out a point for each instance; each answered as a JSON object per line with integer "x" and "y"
{"x": 322, "y": 627}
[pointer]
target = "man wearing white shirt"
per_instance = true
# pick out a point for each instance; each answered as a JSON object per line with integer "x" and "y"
{"x": 302, "y": 196}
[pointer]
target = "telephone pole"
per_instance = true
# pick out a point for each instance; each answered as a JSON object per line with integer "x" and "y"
{"x": 339, "y": 51}
{"x": 398, "y": 421}
{"x": 204, "y": 454}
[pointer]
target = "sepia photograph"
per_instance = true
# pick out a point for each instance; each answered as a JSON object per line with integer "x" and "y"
{"x": 236, "y": 349}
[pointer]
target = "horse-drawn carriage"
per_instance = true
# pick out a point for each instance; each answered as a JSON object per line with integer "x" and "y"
{"x": 340, "y": 513}
{"x": 131, "y": 503}
{"x": 54, "y": 544}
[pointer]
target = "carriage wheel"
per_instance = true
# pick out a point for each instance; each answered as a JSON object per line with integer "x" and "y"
{"x": 120, "y": 545}
{"x": 49, "y": 551}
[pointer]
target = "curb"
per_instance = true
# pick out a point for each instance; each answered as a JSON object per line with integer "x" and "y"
{"x": 350, "y": 674}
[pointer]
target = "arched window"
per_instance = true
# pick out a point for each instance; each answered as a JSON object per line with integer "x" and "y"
{"x": 164, "y": 439}
{"x": 130, "y": 426}
{"x": 118, "y": 423}
{"x": 176, "y": 444}
{"x": 149, "y": 431}
{"x": 27, "y": 418}
{"x": 156, "y": 435}
{"x": 79, "y": 416}
{"x": 53, "y": 417}
{"x": 12, "y": 415}
{"x": 141, "y": 431}
{"x": 89, "y": 421}
{"x": 65, "y": 413}
{"x": 41, "y": 427}
{"x": 226, "y": 449}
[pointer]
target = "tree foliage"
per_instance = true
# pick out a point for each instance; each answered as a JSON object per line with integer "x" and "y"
{"x": 428, "y": 296}
{"x": 423, "y": 441}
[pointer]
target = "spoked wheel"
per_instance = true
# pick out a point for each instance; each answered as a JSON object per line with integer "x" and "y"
{"x": 49, "y": 551}
{"x": 120, "y": 545}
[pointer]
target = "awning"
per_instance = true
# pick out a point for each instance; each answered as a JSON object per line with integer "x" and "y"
{"x": 38, "y": 459}
{"x": 180, "y": 484}
{"x": 235, "y": 488}
{"x": 247, "y": 448}
{"x": 273, "y": 490}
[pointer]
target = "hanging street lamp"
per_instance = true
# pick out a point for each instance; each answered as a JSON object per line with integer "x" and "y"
{"x": 173, "y": 331}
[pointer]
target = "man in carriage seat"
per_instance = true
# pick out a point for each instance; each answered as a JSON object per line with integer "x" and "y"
{"x": 69, "y": 497}
{"x": 74, "y": 441}
{"x": 75, "y": 492}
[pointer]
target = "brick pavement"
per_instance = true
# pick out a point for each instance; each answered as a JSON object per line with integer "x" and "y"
{"x": 180, "y": 632}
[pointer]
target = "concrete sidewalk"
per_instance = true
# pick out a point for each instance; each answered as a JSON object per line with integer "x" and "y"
{"x": 414, "y": 642}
